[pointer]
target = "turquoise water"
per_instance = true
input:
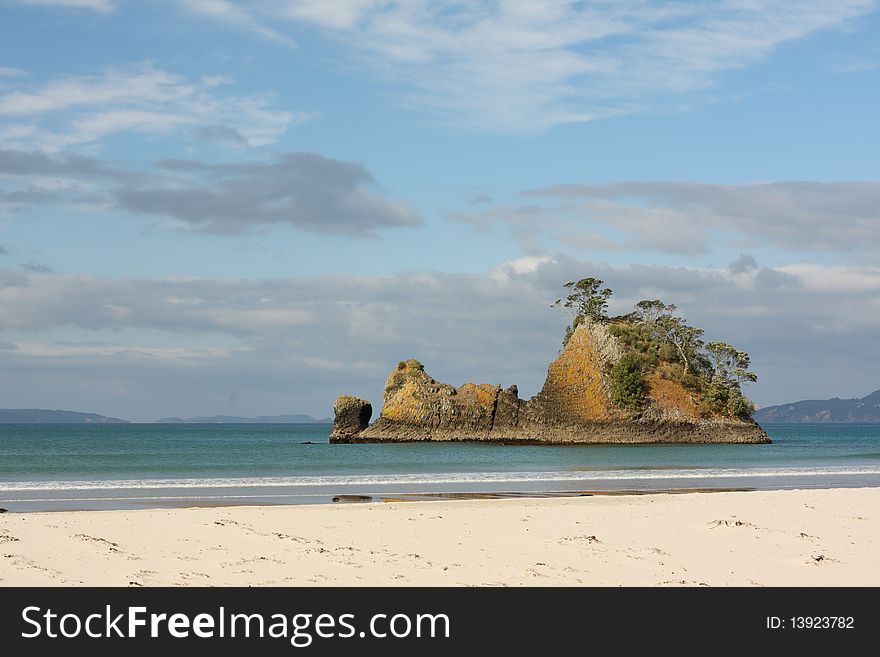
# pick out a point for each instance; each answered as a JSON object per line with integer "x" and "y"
{"x": 148, "y": 465}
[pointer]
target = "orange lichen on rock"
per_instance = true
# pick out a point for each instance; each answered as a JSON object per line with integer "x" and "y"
{"x": 672, "y": 397}
{"x": 481, "y": 394}
{"x": 404, "y": 403}
{"x": 576, "y": 388}
{"x": 413, "y": 398}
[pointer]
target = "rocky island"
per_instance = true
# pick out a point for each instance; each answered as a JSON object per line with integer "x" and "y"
{"x": 646, "y": 377}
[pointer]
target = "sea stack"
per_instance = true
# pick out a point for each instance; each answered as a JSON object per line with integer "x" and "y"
{"x": 574, "y": 406}
{"x": 352, "y": 415}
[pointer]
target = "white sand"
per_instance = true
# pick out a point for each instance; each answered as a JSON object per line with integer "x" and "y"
{"x": 812, "y": 537}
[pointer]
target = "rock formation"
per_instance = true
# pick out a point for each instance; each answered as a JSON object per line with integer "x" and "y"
{"x": 574, "y": 406}
{"x": 352, "y": 416}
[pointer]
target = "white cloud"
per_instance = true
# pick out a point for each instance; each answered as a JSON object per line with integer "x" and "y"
{"x": 102, "y": 6}
{"x": 235, "y": 16}
{"x": 79, "y": 350}
{"x": 339, "y": 14}
{"x": 7, "y": 72}
{"x": 690, "y": 218}
{"x": 145, "y": 85}
{"x": 78, "y": 110}
{"x": 836, "y": 279}
{"x": 525, "y": 265}
{"x": 102, "y": 124}
{"x": 526, "y": 66}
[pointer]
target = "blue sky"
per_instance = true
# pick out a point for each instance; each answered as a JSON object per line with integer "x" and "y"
{"x": 214, "y": 206}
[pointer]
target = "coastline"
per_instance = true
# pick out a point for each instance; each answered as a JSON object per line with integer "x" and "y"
{"x": 106, "y": 495}
{"x": 797, "y": 537}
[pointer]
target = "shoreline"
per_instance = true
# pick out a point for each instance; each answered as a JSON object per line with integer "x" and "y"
{"x": 392, "y": 498}
{"x": 173, "y": 494}
{"x": 813, "y": 537}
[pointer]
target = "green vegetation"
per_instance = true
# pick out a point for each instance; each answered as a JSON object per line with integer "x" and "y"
{"x": 628, "y": 387}
{"x": 657, "y": 339}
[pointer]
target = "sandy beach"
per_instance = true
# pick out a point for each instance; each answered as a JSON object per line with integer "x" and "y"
{"x": 800, "y": 537}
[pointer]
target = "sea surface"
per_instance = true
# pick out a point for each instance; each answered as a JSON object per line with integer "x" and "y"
{"x": 53, "y": 467}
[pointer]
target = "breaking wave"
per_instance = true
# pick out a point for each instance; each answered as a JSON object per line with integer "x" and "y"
{"x": 421, "y": 479}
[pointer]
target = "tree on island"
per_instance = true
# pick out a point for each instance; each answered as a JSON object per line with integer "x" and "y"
{"x": 687, "y": 340}
{"x": 654, "y": 335}
{"x": 660, "y": 320}
{"x": 650, "y": 311}
{"x": 586, "y": 300}
{"x": 730, "y": 364}
{"x": 730, "y": 369}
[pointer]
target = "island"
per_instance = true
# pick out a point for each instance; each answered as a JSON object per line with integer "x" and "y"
{"x": 46, "y": 416}
{"x": 644, "y": 377}
{"x": 235, "y": 419}
{"x": 864, "y": 410}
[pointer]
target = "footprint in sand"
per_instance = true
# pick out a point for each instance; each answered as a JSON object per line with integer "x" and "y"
{"x": 681, "y": 582}
{"x": 579, "y": 539}
{"x": 821, "y": 560}
{"x": 22, "y": 562}
{"x": 730, "y": 523}
{"x": 536, "y": 571}
{"x": 290, "y": 537}
{"x": 110, "y": 545}
{"x": 196, "y": 575}
{"x": 252, "y": 560}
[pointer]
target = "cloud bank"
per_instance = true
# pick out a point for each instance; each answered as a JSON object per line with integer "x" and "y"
{"x": 305, "y": 191}
{"x": 296, "y": 343}
{"x": 692, "y": 218}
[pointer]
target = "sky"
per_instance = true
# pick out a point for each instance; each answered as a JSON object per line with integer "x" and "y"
{"x": 227, "y": 207}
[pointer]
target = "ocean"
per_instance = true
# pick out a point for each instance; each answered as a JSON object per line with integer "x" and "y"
{"x": 72, "y": 467}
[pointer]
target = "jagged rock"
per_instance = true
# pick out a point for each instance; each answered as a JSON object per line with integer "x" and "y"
{"x": 352, "y": 416}
{"x": 507, "y": 408}
{"x": 425, "y": 407}
{"x": 574, "y": 406}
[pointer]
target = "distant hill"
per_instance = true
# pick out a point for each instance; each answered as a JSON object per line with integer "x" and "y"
{"x": 234, "y": 419}
{"x": 43, "y": 416}
{"x": 866, "y": 409}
